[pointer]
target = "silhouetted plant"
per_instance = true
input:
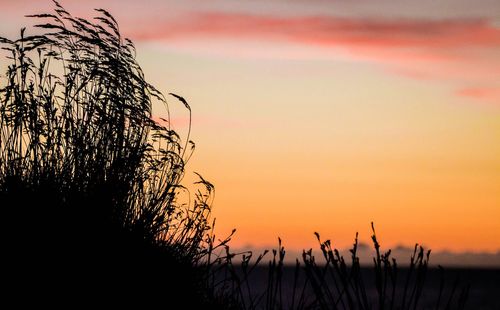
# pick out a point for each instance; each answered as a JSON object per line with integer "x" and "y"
{"x": 86, "y": 175}
{"x": 331, "y": 282}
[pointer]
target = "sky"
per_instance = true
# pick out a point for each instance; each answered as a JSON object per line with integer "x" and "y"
{"x": 323, "y": 116}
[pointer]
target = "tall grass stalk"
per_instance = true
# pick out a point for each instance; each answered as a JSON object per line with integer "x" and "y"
{"x": 334, "y": 282}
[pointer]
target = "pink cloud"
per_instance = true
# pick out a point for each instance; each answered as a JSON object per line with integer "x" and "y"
{"x": 460, "y": 50}
{"x": 457, "y": 50}
{"x": 491, "y": 95}
{"x": 326, "y": 30}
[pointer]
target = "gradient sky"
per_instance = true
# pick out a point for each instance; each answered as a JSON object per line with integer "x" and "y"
{"x": 318, "y": 115}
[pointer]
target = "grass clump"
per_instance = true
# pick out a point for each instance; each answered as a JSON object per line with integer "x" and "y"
{"x": 89, "y": 183}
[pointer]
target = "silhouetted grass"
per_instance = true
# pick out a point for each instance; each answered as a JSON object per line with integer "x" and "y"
{"x": 89, "y": 183}
{"x": 332, "y": 282}
{"x": 90, "y": 194}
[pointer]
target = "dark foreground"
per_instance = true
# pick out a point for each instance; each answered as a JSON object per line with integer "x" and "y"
{"x": 483, "y": 293}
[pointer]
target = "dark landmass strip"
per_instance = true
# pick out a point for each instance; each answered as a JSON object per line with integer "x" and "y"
{"x": 483, "y": 293}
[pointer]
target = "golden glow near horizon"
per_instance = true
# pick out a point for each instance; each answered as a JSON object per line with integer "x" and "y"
{"x": 315, "y": 119}
{"x": 324, "y": 153}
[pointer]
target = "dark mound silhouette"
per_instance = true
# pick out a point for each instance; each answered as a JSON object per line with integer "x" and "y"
{"x": 89, "y": 183}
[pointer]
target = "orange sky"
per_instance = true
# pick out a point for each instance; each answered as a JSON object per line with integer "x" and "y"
{"x": 326, "y": 115}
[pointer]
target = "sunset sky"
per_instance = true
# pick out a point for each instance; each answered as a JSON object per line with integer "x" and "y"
{"x": 322, "y": 115}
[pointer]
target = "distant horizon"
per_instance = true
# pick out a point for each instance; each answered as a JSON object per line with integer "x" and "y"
{"x": 328, "y": 115}
{"x": 448, "y": 259}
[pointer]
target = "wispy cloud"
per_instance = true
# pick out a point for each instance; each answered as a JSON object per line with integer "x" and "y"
{"x": 458, "y": 50}
{"x": 328, "y": 30}
{"x": 487, "y": 94}
{"x": 461, "y": 48}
